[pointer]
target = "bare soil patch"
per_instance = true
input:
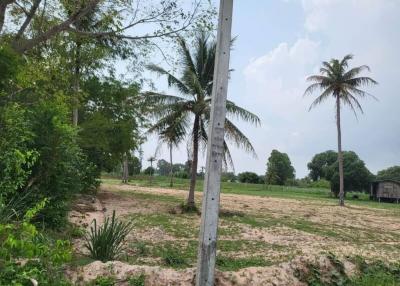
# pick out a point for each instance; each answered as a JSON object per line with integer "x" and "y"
{"x": 262, "y": 240}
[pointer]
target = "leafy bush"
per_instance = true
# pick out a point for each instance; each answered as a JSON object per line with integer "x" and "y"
{"x": 106, "y": 242}
{"x": 16, "y": 157}
{"x": 149, "y": 171}
{"x": 137, "y": 280}
{"x": 249, "y": 177}
{"x": 27, "y": 254}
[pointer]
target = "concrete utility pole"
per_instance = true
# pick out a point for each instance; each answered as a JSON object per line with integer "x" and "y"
{"x": 215, "y": 151}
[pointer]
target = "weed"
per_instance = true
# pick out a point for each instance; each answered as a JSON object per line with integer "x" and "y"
{"x": 106, "y": 242}
{"x": 137, "y": 280}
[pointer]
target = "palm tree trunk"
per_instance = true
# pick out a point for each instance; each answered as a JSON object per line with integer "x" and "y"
{"x": 171, "y": 172}
{"x": 125, "y": 171}
{"x": 340, "y": 154}
{"x": 190, "y": 199}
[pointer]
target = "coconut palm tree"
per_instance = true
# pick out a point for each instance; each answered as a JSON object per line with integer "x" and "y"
{"x": 192, "y": 103}
{"x": 343, "y": 84}
{"x": 171, "y": 131}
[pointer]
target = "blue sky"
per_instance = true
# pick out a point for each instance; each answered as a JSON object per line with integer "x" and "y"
{"x": 279, "y": 43}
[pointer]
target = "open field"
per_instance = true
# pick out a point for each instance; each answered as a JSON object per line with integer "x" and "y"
{"x": 264, "y": 234}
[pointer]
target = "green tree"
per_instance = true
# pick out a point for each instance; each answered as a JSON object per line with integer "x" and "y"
{"x": 392, "y": 173}
{"x": 356, "y": 175}
{"x": 320, "y": 163}
{"x": 171, "y": 131}
{"x": 111, "y": 116}
{"x": 249, "y": 177}
{"x": 194, "y": 101}
{"x": 279, "y": 168}
{"x": 343, "y": 84}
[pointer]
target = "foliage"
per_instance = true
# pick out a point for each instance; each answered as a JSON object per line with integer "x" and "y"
{"x": 356, "y": 175}
{"x": 105, "y": 242}
{"x": 163, "y": 167}
{"x": 27, "y": 254}
{"x": 279, "y": 168}
{"x": 149, "y": 171}
{"x": 228, "y": 177}
{"x": 134, "y": 165}
{"x": 137, "y": 280}
{"x": 110, "y": 118}
{"x": 172, "y": 257}
{"x": 194, "y": 101}
{"x": 16, "y": 157}
{"x": 249, "y": 177}
{"x": 61, "y": 170}
{"x": 392, "y": 173}
{"x": 320, "y": 163}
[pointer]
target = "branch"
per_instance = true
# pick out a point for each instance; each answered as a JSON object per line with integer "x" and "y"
{"x": 28, "y": 19}
{"x": 3, "y": 8}
{"x": 150, "y": 19}
{"x": 23, "y": 46}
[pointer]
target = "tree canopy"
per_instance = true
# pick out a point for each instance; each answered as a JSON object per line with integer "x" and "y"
{"x": 279, "y": 168}
{"x": 391, "y": 173}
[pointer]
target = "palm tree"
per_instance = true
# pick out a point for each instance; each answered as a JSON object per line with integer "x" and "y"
{"x": 171, "y": 131}
{"x": 343, "y": 84}
{"x": 193, "y": 101}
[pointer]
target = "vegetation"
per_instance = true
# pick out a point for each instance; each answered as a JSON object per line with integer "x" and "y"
{"x": 249, "y": 177}
{"x": 343, "y": 84}
{"x": 105, "y": 242}
{"x": 194, "y": 98}
{"x": 356, "y": 175}
{"x": 279, "y": 169}
{"x": 392, "y": 173}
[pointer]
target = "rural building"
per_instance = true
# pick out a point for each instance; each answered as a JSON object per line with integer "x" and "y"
{"x": 385, "y": 190}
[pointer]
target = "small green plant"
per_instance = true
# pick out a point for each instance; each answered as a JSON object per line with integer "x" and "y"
{"x": 106, "y": 242}
{"x": 137, "y": 280}
{"x": 173, "y": 257}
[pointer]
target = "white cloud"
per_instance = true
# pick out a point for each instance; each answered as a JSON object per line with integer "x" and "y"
{"x": 276, "y": 80}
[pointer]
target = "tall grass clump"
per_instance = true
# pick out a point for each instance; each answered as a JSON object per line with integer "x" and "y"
{"x": 105, "y": 242}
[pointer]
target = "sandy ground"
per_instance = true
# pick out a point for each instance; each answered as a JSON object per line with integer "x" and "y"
{"x": 377, "y": 230}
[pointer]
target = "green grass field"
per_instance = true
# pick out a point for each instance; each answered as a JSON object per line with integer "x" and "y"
{"x": 263, "y": 190}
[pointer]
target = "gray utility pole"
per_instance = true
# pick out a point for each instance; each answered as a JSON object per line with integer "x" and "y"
{"x": 215, "y": 151}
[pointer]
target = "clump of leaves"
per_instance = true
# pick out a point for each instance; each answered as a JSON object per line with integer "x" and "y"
{"x": 137, "y": 280}
{"x": 106, "y": 242}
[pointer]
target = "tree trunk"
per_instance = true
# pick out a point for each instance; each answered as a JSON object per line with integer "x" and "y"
{"x": 3, "y": 9}
{"x": 171, "y": 171}
{"x": 75, "y": 101}
{"x": 340, "y": 154}
{"x": 125, "y": 169}
{"x": 193, "y": 169}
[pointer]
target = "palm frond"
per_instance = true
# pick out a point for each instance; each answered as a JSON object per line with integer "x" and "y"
{"x": 355, "y": 71}
{"x": 233, "y": 133}
{"x": 325, "y": 95}
{"x": 241, "y": 113}
{"x": 172, "y": 80}
{"x": 361, "y": 81}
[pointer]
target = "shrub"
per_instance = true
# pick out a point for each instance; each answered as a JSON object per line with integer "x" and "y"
{"x": 249, "y": 177}
{"x": 27, "y": 254}
{"x": 106, "y": 242}
{"x": 137, "y": 280}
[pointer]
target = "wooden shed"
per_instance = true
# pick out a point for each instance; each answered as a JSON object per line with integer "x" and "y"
{"x": 385, "y": 190}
